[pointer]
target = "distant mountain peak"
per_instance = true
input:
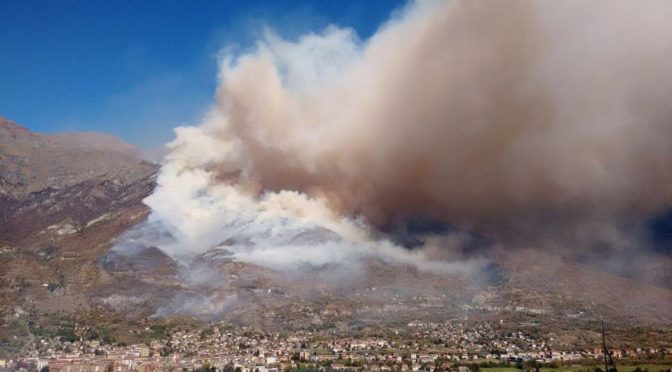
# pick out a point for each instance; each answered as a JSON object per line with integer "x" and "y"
{"x": 31, "y": 162}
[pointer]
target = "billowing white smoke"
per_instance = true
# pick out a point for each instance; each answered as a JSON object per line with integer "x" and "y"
{"x": 501, "y": 116}
{"x": 284, "y": 229}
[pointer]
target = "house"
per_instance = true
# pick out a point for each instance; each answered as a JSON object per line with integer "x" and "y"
{"x": 143, "y": 350}
{"x": 41, "y": 363}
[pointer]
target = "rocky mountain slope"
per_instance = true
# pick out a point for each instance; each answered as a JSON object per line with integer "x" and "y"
{"x": 63, "y": 199}
{"x": 64, "y": 181}
{"x": 32, "y": 162}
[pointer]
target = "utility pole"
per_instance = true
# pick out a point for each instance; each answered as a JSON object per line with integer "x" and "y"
{"x": 607, "y": 356}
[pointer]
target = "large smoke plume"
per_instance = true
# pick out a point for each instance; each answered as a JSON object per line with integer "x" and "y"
{"x": 522, "y": 120}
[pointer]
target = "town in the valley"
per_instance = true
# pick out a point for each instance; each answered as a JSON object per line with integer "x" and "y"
{"x": 417, "y": 346}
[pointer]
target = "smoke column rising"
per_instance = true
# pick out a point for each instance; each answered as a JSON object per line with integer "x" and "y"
{"x": 505, "y": 117}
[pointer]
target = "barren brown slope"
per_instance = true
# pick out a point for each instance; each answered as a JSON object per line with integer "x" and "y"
{"x": 541, "y": 280}
{"x": 63, "y": 199}
{"x": 75, "y": 177}
{"x": 31, "y": 162}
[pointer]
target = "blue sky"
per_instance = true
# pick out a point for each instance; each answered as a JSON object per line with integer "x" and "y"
{"x": 139, "y": 68}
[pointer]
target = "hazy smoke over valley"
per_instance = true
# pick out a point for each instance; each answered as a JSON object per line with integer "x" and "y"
{"x": 528, "y": 122}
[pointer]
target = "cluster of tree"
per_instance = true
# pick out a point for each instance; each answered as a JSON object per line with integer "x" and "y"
{"x": 166, "y": 350}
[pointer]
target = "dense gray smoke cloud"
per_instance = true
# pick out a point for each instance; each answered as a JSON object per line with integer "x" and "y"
{"x": 505, "y": 117}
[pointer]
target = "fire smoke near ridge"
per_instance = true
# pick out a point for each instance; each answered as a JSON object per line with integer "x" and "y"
{"x": 504, "y": 117}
